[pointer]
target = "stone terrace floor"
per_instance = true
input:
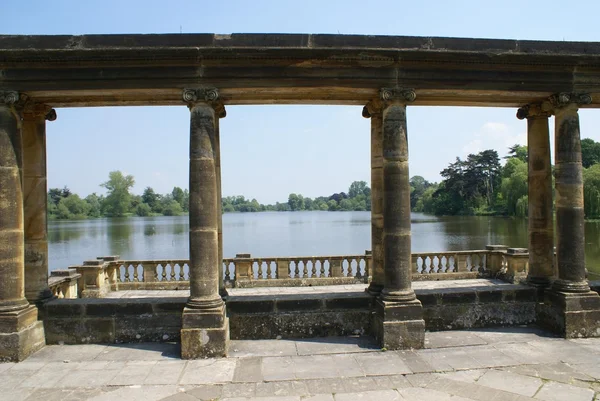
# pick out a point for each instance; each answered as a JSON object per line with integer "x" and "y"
{"x": 325, "y": 289}
{"x": 487, "y": 365}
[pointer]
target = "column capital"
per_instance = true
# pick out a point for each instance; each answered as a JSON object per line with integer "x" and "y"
{"x": 401, "y": 95}
{"x": 535, "y": 110}
{"x": 565, "y": 99}
{"x": 210, "y": 96}
{"x": 32, "y": 111}
{"x": 9, "y": 98}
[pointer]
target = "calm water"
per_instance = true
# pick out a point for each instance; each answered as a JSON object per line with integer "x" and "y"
{"x": 283, "y": 234}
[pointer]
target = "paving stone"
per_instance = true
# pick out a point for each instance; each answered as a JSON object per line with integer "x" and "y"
{"x": 466, "y": 376}
{"x": 526, "y": 353}
{"x": 133, "y": 373}
{"x": 359, "y": 384}
{"x": 588, "y": 369}
{"x": 19, "y": 394}
{"x": 320, "y": 397}
{"x": 336, "y": 345}
{"x": 324, "y": 366}
{"x": 26, "y": 365}
{"x": 290, "y": 398}
{"x": 87, "y": 378}
{"x": 552, "y": 391}
{"x": 321, "y": 386}
{"x": 48, "y": 394}
{"x": 10, "y": 380}
{"x": 559, "y": 372}
{"x": 379, "y": 395}
{"x": 498, "y": 335}
{"x": 278, "y": 368}
{"x": 73, "y": 353}
{"x": 382, "y": 363}
{"x": 248, "y": 370}
{"x": 294, "y": 387}
{"x": 232, "y": 390}
{"x": 208, "y": 371}
{"x": 256, "y": 348}
{"x": 6, "y": 366}
{"x": 137, "y": 393}
{"x": 447, "y": 359}
{"x": 140, "y": 352}
{"x": 510, "y": 382}
{"x": 445, "y": 339}
{"x": 48, "y": 379}
{"x": 206, "y": 392}
{"x": 489, "y": 357}
{"x": 421, "y": 379}
{"x": 421, "y": 394}
{"x": 165, "y": 372}
{"x": 568, "y": 352}
{"x": 415, "y": 362}
{"x": 180, "y": 397}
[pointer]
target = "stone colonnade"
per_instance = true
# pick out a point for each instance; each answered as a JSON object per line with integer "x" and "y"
{"x": 568, "y": 307}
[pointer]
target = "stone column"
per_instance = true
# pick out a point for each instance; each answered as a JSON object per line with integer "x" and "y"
{"x": 222, "y": 289}
{"x": 399, "y": 315}
{"x": 205, "y": 330}
{"x": 373, "y": 111}
{"x": 541, "y": 230}
{"x": 35, "y": 200}
{"x": 20, "y": 332}
{"x": 569, "y": 308}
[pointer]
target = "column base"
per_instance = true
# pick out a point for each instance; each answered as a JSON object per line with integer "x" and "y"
{"x": 399, "y": 325}
{"x": 571, "y": 315}
{"x": 204, "y": 333}
{"x": 21, "y": 334}
{"x": 374, "y": 289}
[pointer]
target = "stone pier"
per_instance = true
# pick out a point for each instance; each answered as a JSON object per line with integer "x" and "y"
{"x": 205, "y": 331}
{"x": 35, "y": 200}
{"x": 540, "y": 221}
{"x": 222, "y": 289}
{"x": 373, "y": 111}
{"x": 398, "y": 313}
{"x": 20, "y": 332}
{"x": 570, "y": 307}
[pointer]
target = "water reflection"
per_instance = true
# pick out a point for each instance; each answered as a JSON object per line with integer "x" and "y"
{"x": 283, "y": 234}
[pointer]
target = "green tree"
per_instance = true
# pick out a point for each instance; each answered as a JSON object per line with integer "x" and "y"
{"x": 358, "y": 188}
{"x": 517, "y": 152}
{"x": 296, "y": 202}
{"x": 95, "y": 203}
{"x": 418, "y": 185}
{"x": 172, "y": 208}
{"x": 590, "y": 152}
{"x": 118, "y": 199}
{"x": 591, "y": 191}
{"x": 178, "y": 194}
{"x": 143, "y": 210}
{"x": 514, "y": 186}
{"x": 152, "y": 199}
{"x": 73, "y": 207}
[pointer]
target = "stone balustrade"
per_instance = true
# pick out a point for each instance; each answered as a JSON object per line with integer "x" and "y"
{"x": 110, "y": 273}
{"x": 63, "y": 283}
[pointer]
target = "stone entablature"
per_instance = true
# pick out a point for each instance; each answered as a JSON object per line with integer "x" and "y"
{"x": 294, "y": 68}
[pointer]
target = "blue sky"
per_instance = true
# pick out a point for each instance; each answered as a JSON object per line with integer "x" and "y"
{"x": 270, "y": 151}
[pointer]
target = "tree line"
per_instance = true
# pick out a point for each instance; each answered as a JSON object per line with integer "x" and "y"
{"x": 119, "y": 202}
{"x": 481, "y": 185}
{"x": 478, "y": 185}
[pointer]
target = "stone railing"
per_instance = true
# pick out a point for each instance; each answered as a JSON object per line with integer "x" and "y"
{"x": 63, "y": 283}
{"x": 110, "y": 273}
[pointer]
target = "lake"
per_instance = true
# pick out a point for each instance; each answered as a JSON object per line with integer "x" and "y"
{"x": 283, "y": 234}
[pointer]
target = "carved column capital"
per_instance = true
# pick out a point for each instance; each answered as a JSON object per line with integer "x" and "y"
{"x": 33, "y": 111}
{"x": 397, "y": 95}
{"x": 534, "y": 110}
{"x": 210, "y": 96}
{"x": 9, "y": 98}
{"x": 372, "y": 108}
{"x": 565, "y": 99}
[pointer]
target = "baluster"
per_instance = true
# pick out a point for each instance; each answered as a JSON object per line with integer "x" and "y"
{"x": 322, "y": 272}
{"x": 120, "y": 271}
{"x": 435, "y": 264}
{"x": 164, "y": 272}
{"x": 227, "y": 272}
{"x": 443, "y": 264}
{"x": 126, "y": 273}
{"x": 259, "y": 270}
{"x": 313, "y": 268}
{"x": 359, "y": 273}
{"x": 136, "y": 278}
{"x": 172, "y": 275}
{"x": 297, "y": 269}
{"x": 416, "y": 260}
